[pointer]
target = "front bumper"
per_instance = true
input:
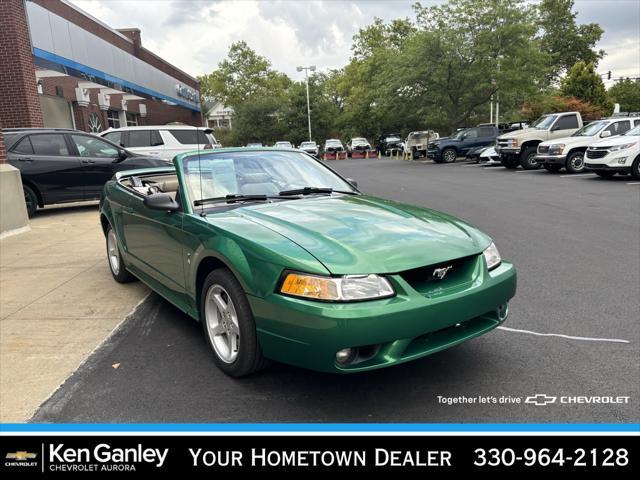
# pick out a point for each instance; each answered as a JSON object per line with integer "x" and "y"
{"x": 402, "y": 328}
{"x": 551, "y": 159}
{"x": 434, "y": 153}
{"x": 508, "y": 150}
{"x": 607, "y": 167}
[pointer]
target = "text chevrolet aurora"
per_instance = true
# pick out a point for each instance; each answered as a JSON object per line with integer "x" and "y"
{"x": 281, "y": 258}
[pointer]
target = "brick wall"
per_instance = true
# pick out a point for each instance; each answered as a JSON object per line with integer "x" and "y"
{"x": 19, "y": 102}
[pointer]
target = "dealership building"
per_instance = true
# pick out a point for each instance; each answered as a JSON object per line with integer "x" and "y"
{"x": 61, "y": 67}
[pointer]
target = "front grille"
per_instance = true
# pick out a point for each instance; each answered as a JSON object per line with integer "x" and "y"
{"x": 543, "y": 149}
{"x": 460, "y": 271}
{"x": 593, "y": 153}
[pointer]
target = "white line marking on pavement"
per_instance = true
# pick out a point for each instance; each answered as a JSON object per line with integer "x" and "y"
{"x": 530, "y": 171}
{"x": 576, "y": 175}
{"x": 570, "y": 337}
{"x": 633, "y": 183}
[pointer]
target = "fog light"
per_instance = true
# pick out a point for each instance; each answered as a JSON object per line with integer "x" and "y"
{"x": 345, "y": 356}
{"x": 622, "y": 160}
{"x": 503, "y": 311}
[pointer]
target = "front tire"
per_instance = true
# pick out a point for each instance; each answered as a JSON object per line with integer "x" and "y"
{"x": 605, "y": 173}
{"x": 635, "y": 168}
{"x": 30, "y": 200}
{"x": 229, "y": 326}
{"x": 509, "y": 162}
{"x": 528, "y": 159}
{"x": 575, "y": 162}
{"x": 449, "y": 155}
{"x": 114, "y": 259}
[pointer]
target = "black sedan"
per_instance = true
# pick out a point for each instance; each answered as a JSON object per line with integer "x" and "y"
{"x": 62, "y": 165}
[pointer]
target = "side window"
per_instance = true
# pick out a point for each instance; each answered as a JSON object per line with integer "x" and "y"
{"x": 567, "y": 122}
{"x": 636, "y": 122}
{"x": 89, "y": 146}
{"x": 115, "y": 137}
{"x": 618, "y": 128}
{"x": 486, "y": 132}
{"x": 471, "y": 133}
{"x": 156, "y": 139}
{"x": 24, "y": 147}
{"x": 52, "y": 145}
{"x": 139, "y": 138}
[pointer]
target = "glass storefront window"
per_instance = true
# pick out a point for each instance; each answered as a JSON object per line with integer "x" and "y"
{"x": 132, "y": 120}
{"x": 112, "y": 119}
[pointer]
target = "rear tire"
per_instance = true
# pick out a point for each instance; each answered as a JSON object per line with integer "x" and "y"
{"x": 527, "y": 158}
{"x": 114, "y": 259}
{"x": 605, "y": 173}
{"x": 552, "y": 167}
{"x": 30, "y": 200}
{"x": 229, "y": 326}
{"x": 575, "y": 162}
{"x": 449, "y": 155}
{"x": 635, "y": 168}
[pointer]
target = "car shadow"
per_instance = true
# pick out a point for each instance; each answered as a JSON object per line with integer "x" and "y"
{"x": 63, "y": 209}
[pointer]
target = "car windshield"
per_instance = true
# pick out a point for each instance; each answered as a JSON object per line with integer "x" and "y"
{"x": 333, "y": 143}
{"x": 634, "y": 132}
{"x": 459, "y": 134}
{"x": 283, "y": 144}
{"x": 254, "y": 144}
{"x": 307, "y": 144}
{"x": 392, "y": 139}
{"x": 544, "y": 122}
{"x": 359, "y": 141}
{"x": 590, "y": 130}
{"x": 218, "y": 175}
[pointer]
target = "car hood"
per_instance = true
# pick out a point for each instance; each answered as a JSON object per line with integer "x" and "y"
{"x": 567, "y": 140}
{"x": 525, "y": 132}
{"x": 361, "y": 234}
{"x": 617, "y": 140}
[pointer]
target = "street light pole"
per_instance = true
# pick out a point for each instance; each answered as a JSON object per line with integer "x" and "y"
{"x": 306, "y": 78}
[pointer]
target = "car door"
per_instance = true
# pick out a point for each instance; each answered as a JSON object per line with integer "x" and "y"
{"x": 469, "y": 140}
{"x": 565, "y": 126}
{"x": 154, "y": 240}
{"x": 47, "y": 161}
{"x": 145, "y": 142}
{"x": 486, "y": 136}
{"x": 99, "y": 162}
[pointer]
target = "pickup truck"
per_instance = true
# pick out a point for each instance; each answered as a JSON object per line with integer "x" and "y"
{"x": 520, "y": 147}
{"x": 447, "y": 149}
{"x": 569, "y": 152}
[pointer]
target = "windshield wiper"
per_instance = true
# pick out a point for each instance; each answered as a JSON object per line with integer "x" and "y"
{"x": 231, "y": 199}
{"x": 312, "y": 190}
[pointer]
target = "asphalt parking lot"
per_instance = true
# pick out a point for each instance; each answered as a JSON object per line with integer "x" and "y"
{"x": 575, "y": 241}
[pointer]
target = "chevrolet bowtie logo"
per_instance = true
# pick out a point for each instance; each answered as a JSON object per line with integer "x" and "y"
{"x": 540, "y": 399}
{"x": 21, "y": 456}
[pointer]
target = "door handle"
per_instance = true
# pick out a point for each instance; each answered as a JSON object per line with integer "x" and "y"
{"x": 88, "y": 161}
{"x": 25, "y": 159}
{"x": 128, "y": 210}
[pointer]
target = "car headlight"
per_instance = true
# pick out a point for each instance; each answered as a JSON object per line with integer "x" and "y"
{"x": 512, "y": 142}
{"x": 346, "y": 288}
{"x": 556, "y": 148}
{"x": 492, "y": 256}
{"x": 622, "y": 147}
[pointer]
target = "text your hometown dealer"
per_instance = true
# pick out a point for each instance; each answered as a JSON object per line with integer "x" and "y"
{"x": 103, "y": 453}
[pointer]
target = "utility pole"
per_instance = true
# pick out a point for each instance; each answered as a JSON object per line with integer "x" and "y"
{"x": 306, "y": 78}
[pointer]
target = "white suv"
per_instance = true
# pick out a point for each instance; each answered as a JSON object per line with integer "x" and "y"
{"x": 163, "y": 141}
{"x": 568, "y": 152}
{"x": 616, "y": 155}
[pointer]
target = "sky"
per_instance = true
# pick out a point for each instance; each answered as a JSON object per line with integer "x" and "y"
{"x": 195, "y": 35}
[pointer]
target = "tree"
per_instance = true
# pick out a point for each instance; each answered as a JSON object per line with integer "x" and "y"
{"x": 467, "y": 51}
{"x": 626, "y": 92}
{"x": 563, "y": 39}
{"x": 585, "y": 84}
{"x": 556, "y": 103}
{"x": 242, "y": 75}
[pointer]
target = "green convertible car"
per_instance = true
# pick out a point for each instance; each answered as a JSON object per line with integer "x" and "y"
{"x": 281, "y": 258}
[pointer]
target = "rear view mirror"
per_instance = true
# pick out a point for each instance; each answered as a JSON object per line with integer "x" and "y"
{"x": 161, "y": 201}
{"x": 605, "y": 134}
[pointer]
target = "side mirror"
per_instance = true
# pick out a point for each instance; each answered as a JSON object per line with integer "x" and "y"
{"x": 161, "y": 201}
{"x": 122, "y": 155}
{"x": 352, "y": 182}
{"x": 605, "y": 134}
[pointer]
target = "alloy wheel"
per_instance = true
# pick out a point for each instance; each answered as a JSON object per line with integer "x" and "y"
{"x": 449, "y": 156}
{"x": 222, "y": 323}
{"x": 112, "y": 252}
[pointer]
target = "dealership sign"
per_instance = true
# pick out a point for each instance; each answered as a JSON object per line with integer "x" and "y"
{"x": 187, "y": 93}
